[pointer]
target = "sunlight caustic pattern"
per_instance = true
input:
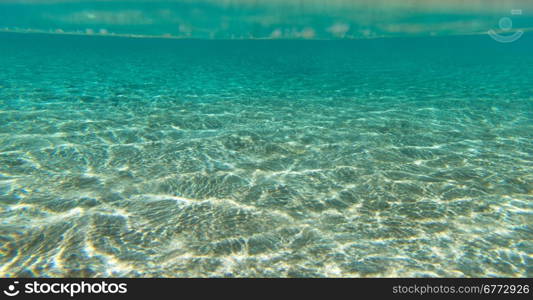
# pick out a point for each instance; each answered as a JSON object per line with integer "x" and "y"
{"x": 154, "y": 157}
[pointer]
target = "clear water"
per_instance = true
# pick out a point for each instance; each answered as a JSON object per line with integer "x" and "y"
{"x": 153, "y": 157}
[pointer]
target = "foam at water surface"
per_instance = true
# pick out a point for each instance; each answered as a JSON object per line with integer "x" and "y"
{"x": 401, "y": 157}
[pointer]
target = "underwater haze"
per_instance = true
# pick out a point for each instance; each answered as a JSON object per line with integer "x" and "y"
{"x": 262, "y": 19}
{"x": 135, "y": 154}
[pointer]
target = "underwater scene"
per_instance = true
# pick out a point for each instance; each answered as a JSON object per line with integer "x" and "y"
{"x": 225, "y": 138}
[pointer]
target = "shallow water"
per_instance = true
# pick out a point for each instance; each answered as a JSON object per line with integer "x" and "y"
{"x": 152, "y": 157}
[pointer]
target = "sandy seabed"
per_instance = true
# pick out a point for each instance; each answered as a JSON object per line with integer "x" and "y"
{"x": 163, "y": 158}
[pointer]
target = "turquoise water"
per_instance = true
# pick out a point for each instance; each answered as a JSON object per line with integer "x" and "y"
{"x": 157, "y": 157}
{"x": 259, "y": 19}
